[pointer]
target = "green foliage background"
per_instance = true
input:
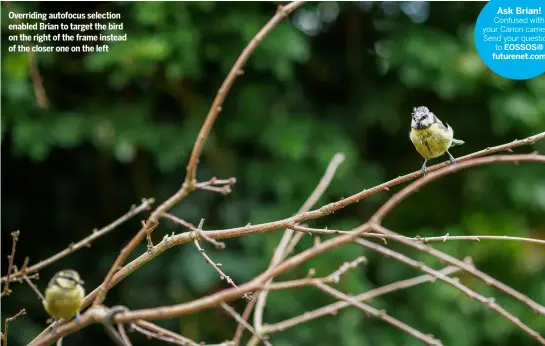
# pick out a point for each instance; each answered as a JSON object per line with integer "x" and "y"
{"x": 334, "y": 77}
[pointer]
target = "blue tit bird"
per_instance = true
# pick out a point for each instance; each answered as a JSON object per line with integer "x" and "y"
{"x": 64, "y": 295}
{"x": 430, "y": 137}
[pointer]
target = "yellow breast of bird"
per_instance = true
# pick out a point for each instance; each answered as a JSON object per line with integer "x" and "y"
{"x": 61, "y": 303}
{"x": 433, "y": 141}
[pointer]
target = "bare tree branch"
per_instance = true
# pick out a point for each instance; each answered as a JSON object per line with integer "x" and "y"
{"x": 310, "y": 280}
{"x": 424, "y": 240}
{"x": 34, "y": 288}
{"x": 283, "y": 248}
{"x": 447, "y": 237}
{"x": 332, "y": 309}
{"x": 86, "y": 242}
{"x": 216, "y": 266}
{"x": 418, "y": 184}
{"x": 244, "y": 323}
{"x": 487, "y": 302}
{"x": 200, "y": 232}
{"x": 151, "y": 335}
{"x": 6, "y": 324}
{"x": 15, "y": 237}
{"x": 537, "y": 308}
{"x": 163, "y": 334}
{"x": 411, "y": 188}
{"x": 381, "y": 314}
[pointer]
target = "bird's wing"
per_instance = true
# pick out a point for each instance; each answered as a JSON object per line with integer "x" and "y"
{"x": 441, "y": 126}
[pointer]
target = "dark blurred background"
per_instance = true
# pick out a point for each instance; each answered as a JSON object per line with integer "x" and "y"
{"x": 334, "y": 77}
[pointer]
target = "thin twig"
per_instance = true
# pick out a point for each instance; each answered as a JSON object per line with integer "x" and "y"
{"x": 244, "y": 323}
{"x": 288, "y": 241}
{"x": 152, "y": 335}
{"x": 537, "y": 308}
{"x": 224, "y": 190}
{"x": 487, "y": 302}
{"x": 333, "y": 308}
{"x": 307, "y": 281}
{"x": 34, "y": 288}
{"x": 311, "y": 280}
{"x": 164, "y": 334}
{"x": 15, "y": 237}
{"x": 217, "y": 182}
{"x": 447, "y": 237}
{"x": 335, "y": 277}
{"x": 34, "y": 276}
{"x": 85, "y": 242}
{"x": 222, "y": 186}
{"x": 380, "y": 314}
{"x": 217, "y": 265}
{"x": 424, "y": 240}
{"x": 24, "y": 267}
{"x": 324, "y": 183}
{"x": 200, "y": 232}
{"x": 6, "y": 324}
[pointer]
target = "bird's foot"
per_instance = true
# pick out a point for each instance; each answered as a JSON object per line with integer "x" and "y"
{"x": 424, "y": 171}
{"x": 452, "y": 159}
{"x": 78, "y": 318}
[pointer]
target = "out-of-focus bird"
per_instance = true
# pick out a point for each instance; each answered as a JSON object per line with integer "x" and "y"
{"x": 430, "y": 137}
{"x": 64, "y": 295}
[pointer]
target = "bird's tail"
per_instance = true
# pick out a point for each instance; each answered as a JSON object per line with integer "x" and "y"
{"x": 457, "y": 142}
